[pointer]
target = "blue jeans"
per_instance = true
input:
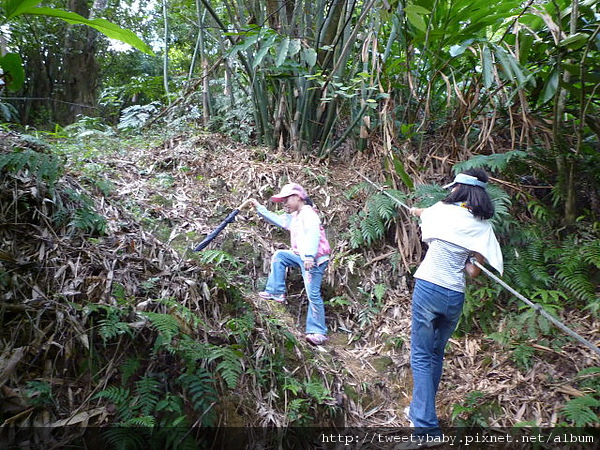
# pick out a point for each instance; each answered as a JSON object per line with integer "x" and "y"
{"x": 282, "y": 259}
{"x": 435, "y": 314}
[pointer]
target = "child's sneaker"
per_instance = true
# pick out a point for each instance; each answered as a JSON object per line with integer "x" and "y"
{"x": 316, "y": 338}
{"x": 280, "y": 298}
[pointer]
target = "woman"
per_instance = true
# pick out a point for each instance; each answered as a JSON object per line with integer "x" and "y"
{"x": 456, "y": 229}
{"x": 310, "y": 252}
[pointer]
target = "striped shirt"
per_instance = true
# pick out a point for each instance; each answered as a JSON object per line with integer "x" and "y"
{"x": 444, "y": 265}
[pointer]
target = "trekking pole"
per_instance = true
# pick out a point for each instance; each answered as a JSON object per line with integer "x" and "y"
{"x": 383, "y": 191}
{"x": 538, "y": 308}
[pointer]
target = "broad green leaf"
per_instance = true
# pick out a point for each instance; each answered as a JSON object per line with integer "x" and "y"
{"x": 574, "y": 41}
{"x": 295, "y": 46}
{"x": 249, "y": 41}
{"x": 516, "y": 69}
{"x": 282, "y": 52}
{"x": 488, "y": 67}
{"x": 102, "y": 25}
{"x": 416, "y": 9}
{"x": 457, "y": 50}
{"x": 505, "y": 64}
{"x": 264, "y": 49}
{"x": 12, "y": 65}
{"x": 14, "y": 8}
{"x": 416, "y": 20}
{"x": 401, "y": 172}
{"x": 525, "y": 46}
{"x": 310, "y": 56}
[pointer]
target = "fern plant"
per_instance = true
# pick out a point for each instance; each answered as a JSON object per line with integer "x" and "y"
{"x": 43, "y": 166}
{"x": 79, "y": 212}
{"x": 200, "y": 393}
{"x": 229, "y": 366}
{"x": 137, "y": 116}
{"x": 148, "y": 391}
{"x": 582, "y": 411}
{"x": 167, "y": 325}
{"x": 371, "y": 224}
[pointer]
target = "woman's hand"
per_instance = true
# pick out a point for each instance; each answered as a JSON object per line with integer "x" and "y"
{"x": 472, "y": 270}
{"x": 416, "y": 211}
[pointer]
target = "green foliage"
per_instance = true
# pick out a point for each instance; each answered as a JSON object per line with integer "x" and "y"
{"x": 167, "y": 325}
{"x": 201, "y": 392}
{"x": 14, "y": 8}
{"x": 230, "y": 365}
{"x": 217, "y": 258}
{"x": 582, "y": 411}
{"x": 496, "y": 162}
{"x": 475, "y": 412}
{"x": 147, "y": 391}
{"x": 232, "y": 115}
{"x": 43, "y": 166}
{"x": 371, "y": 224}
{"x": 86, "y": 127}
{"x": 137, "y": 116}
{"x": 80, "y": 214}
{"x": 39, "y": 393}
{"x": 8, "y": 112}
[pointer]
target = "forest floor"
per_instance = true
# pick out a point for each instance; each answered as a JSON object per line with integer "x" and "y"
{"x": 482, "y": 384}
{"x": 181, "y": 188}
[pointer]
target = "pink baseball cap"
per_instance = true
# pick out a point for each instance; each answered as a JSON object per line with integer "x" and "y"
{"x": 290, "y": 189}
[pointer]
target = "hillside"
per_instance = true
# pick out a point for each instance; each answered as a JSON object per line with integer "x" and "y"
{"x": 108, "y": 316}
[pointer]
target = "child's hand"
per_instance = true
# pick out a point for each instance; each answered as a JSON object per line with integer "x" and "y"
{"x": 250, "y": 201}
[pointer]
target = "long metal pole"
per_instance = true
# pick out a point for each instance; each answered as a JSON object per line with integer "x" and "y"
{"x": 537, "y": 307}
{"x": 383, "y": 191}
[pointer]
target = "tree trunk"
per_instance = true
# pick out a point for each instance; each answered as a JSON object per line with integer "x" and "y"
{"x": 81, "y": 71}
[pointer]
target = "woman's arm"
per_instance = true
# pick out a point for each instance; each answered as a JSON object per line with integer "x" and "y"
{"x": 472, "y": 270}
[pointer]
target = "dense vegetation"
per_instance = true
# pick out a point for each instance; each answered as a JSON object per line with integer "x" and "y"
{"x": 404, "y": 91}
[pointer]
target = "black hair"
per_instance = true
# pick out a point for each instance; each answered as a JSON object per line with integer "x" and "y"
{"x": 476, "y": 198}
{"x": 308, "y": 201}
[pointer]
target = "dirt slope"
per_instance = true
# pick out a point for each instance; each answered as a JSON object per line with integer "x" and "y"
{"x": 180, "y": 190}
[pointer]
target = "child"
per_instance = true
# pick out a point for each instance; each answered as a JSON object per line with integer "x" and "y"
{"x": 455, "y": 229}
{"x": 310, "y": 252}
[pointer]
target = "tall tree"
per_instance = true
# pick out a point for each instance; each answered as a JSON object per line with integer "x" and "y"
{"x": 80, "y": 68}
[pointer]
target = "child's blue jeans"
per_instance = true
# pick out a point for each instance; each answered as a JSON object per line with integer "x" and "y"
{"x": 282, "y": 259}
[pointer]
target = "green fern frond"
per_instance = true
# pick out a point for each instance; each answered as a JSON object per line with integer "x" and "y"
{"x": 167, "y": 325}
{"x": 217, "y": 258}
{"x": 112, "y": 327}
{"x": 126, "y": 438}
{"x": 143, "y": 421}
{"x": 496, "y": 162}
{"x": 317, "y": 390}
{"x": 428, "y": 194}
{"x": 178, "y": 437}
{"x": 582, "y": 411}
{"x": 118, "y": 395}
{"x": 230, "y": 366}
{"x": 191, "y": 350}
{"x": 43, "y": 166}
{"x": 147, "y": 391}
{"x": 372, "y": 228}
{"x": 128, "y": 368}
{"x": 80, "y": 213}
{"x": 201, "y": 392}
